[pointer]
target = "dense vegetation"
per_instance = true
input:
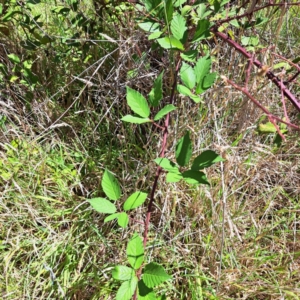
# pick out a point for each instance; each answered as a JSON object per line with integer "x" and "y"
{"x": 105, "y": 94}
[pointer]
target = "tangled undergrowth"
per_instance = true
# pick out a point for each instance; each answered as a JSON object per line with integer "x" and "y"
{"x": 236, "y": 239}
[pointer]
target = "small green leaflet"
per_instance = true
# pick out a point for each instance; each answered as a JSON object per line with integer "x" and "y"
{"x": 154, "y": 35}
{"x": 202, "y": 68}
{"x": 154, "y": 274}
{"x": 103, "y": 206}
{"x": 135, "y": 251}
{"x": 135, "y": 120}
{"x": 156, "y": 93}
{"x": 110, "y": 186}
{"x": 183, "y": 151}
{"x": 284, "y": 65}
{"x": 178, "y": 3}
{"x": 187, "y": 75}
{"x": 173, "y": 177}
{"x": 209, "y": 80}
{"x": 168, "y": 108}
{"x": 204, "y": 79}
{"x": 145, "y": 293}
{"x": 149, "y": 26}
{"x": 170, "y": 42}
{"x": 122, "y": 273}
{"x": 169, "y": 9}
{"x": 135, "y": 200}
{"x": 167, "y": 165}
{"x": 137, "y": 103}
{"x": 235, "y": 23}
{"x": 123, "y": 219}
{"x": 196, "y": 99}
{"x": 190, "y": 55}
{"x": 10, "y": 14}
{"x": 111, "y": 217}
{"x": 127, "y": 289}
{"x": 201, "y": 10}
{"x": 178, "y": 26}
{"x": 249, "y": 40}
{"x": 270, "y": 128}
{"x": 195, "y": 177}
{"x": 186, "y": 9}
{"x": 202, "y": 30}
{"x": 184, "y": 90}
{"x": 206, "y": 159}
{"x": 14, "y": 58}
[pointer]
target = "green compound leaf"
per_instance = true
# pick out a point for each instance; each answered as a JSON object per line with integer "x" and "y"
{"x": 135, "y": 120}
{"x": 135, "y": 200}
{"x": 178, "y": 26}
{"x": 103, "y": 206}
{"x": 156, "y": 93}
{"x": 154, "y": 274}
{"x": 164, "y": 111}
{"x": 145, "y": 293}
{"x": 122, "y": 273}
{"x": 167, "y": 165}
{"x": 111, "y": 186}
{"x": 206, "y": 159}
{"x": 111, "y": 217}
{"x": 123, "y": 219}
{"x": 135, "y": 251}
{"x": 173, "y": 177}
{"x": 170, "y": 43}
{"x": 187, "y": 75}
{"x": 137, "y": 103}
{"x": 127, "y": 289}
{"x": 195, "y": 177}
{"x": 183, "y": 151}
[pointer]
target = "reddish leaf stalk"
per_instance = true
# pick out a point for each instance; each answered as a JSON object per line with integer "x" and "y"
{"x": 247, "y": 14}
{"x": 248, "y": 71}
{"x": 158, "y": 171}
{"x": 283, "y": 104}
{"x": 162, "y": 154}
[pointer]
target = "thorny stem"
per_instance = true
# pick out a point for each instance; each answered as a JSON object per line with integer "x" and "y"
{"x": 284, "y": 106}
{"x": 248, "y": 72}
{"x": 271, "y": 117}
{"x": 158, "y": 170}
{"x": 257, "y": 63}
{"x": 257, "y": 9}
